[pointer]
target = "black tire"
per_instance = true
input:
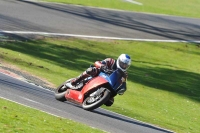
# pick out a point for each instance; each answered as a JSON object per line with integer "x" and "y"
{"x": 105, "y": 95}
{"x": 60, "y": 93}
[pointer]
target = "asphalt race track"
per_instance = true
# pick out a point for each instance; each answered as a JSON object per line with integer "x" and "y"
{"x": 19, "y": 15}
{"x": 43, "y": 99}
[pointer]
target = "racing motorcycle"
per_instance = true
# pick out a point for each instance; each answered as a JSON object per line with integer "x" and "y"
{"x": 91, "y": 93}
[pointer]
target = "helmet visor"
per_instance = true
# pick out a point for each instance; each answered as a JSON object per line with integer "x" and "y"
{"x": 123, "y": 65}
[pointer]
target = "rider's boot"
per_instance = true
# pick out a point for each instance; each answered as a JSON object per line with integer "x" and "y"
{"x": 72, "y": 84}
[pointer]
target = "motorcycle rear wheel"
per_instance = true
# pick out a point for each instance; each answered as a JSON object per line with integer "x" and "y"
{"x": 104, "y": 96}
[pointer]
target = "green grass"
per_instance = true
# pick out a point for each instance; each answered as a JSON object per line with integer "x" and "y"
{"x": 163, "y": 82}
{"x": 19, "y": 119}
{"x": 188, "y": 8}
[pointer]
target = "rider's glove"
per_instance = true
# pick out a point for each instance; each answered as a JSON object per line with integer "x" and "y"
{"x": 123, "y": 79}
{"x": 125, "y": 75}
{"x": 103, "y": 67}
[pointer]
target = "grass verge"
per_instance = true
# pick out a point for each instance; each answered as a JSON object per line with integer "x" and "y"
{"x": 17, "y": 118}
{"x": 188, "y": 8}
{"x": 163, "y": 83}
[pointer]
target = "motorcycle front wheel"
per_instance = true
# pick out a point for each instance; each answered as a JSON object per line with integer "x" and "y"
{"x": 60, "y": 92}
{"x": 94, "y": 101}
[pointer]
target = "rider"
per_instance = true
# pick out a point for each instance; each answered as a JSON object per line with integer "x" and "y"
{"x": 123, "y": 62}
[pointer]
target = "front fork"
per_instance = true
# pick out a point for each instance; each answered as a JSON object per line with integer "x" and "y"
{"x": 96, "y": 95}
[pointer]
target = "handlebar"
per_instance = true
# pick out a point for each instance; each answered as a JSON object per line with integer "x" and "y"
{"x": 107, "y": 71}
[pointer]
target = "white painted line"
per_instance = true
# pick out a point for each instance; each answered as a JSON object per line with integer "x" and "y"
{"x": 95, "y": 37}
{"x": 43, "y": 105}
{"x": 34, "y": 107}
{"x": 134, "y": 2}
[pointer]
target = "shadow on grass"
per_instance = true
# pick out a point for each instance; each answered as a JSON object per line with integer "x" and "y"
{"x": 59, "y": 55}
{"x": 178, "y": 81}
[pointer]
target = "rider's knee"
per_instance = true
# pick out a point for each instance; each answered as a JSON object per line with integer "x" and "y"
{"x": 93, "y": 71}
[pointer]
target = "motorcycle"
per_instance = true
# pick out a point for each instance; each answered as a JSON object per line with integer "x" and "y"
{"x": 91, "y": 93}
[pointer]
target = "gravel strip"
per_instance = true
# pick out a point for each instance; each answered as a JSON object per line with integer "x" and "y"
{"x": 29, "y": 78}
